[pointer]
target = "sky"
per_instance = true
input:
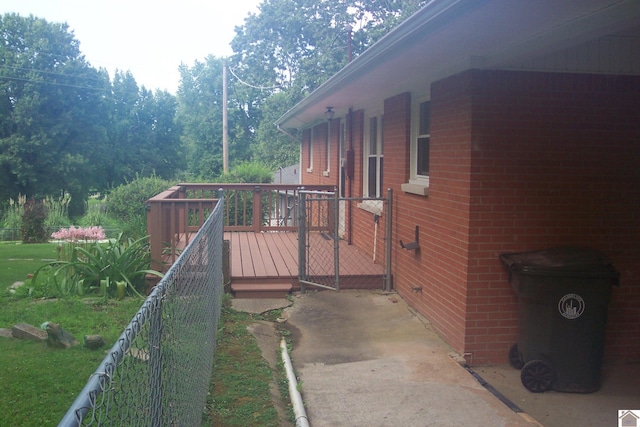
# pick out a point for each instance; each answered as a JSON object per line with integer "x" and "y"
{"x": 150, "y": 38}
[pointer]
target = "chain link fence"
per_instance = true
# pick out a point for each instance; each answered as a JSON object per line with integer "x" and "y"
{"x": 159, "y": 370}
{"x": 344, "y": 243}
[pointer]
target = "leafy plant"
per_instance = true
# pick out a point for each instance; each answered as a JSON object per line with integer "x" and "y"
{"x": 112, "y": 269}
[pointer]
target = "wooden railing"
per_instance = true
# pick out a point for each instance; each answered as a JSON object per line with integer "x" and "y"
{"x": 173, "y": 216}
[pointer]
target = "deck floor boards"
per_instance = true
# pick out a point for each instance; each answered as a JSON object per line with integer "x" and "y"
{"x": 275, "y": 255}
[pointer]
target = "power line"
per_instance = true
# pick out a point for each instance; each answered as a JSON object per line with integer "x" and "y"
{"x": 77, "y": 76}
{"x": 277, "y": 86}
{"x": 52, "y": 83}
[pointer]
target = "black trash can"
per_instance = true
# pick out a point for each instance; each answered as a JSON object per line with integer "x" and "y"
{"x": 563, "y": 295}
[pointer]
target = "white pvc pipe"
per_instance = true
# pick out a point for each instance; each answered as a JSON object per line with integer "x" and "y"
{"x": 294, "y": 394}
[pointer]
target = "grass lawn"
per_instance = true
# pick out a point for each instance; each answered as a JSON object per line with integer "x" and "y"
{"x": 38, "y": 384}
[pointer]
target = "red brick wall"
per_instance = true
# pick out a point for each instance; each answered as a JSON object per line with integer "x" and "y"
{"x": 555, "y": 160}
{"x": 439, "y": 267}
{"x": 519, "y": 161}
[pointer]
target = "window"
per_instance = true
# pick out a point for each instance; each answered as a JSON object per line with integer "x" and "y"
{"x": 423, "y": 139}
{"x": 374, "y": 144}
{"x": 420, "y": 148}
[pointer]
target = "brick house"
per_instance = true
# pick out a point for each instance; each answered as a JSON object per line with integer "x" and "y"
{"x": 501, "y": 127}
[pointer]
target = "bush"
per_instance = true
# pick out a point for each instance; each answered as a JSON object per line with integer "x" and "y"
{"x": 127, "y": 203}
{"x": 33, "y": 229}
{"x": 248, "y": 172}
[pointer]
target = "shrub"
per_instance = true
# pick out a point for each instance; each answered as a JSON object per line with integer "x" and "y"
{"x": 127, "y": 203}
{"x": 32, "y": 229}
{"x": 248, "y": 172}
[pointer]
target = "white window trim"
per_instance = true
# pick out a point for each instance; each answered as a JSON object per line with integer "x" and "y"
{"x": 365, "y": 167}
{"x": 418, "y": 184}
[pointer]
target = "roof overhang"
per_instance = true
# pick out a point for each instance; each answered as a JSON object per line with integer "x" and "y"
{"x": 450, "y": 36}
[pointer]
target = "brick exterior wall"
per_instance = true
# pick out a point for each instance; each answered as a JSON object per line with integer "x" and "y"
{"x": 554, "y": 161}
{"x": 519, "y": 161}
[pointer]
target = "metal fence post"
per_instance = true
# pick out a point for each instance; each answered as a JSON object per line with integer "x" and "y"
{"x": 387, "y": 262}
{"x": 336, "y": 239}
{"x": 155, "y": 362}
{"x": 302, "y": 240}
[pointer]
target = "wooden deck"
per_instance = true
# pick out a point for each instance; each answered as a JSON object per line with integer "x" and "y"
{"x": 273, "y": 257}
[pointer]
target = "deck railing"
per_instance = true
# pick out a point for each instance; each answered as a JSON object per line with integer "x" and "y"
{"x": 176, "y": 214}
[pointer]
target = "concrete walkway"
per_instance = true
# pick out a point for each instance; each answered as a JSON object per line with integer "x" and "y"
{"x": 366, "y": 359}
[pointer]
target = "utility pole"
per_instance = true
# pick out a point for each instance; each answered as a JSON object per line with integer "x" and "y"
{"x": 225, "y": 121}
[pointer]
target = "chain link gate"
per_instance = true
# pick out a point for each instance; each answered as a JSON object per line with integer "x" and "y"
{"x": 328, "y": 256}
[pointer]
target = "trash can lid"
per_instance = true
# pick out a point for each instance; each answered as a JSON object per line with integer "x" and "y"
{"x": 562, "y": 260}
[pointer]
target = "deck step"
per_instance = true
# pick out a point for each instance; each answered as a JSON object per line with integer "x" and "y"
{"x": 261, "y": 290}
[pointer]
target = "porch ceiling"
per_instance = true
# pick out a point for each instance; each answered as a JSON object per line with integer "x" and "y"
{"x": 447, "y": 37}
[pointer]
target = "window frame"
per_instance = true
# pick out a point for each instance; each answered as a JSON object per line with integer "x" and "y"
{"x": 418, "y": 184}
{"x": 378, "y": 155}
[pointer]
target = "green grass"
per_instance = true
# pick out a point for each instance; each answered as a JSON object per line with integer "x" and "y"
{"x": 18, "y": 260}
{"x": 38, "y": 384}
{"x": 239, "y": 393}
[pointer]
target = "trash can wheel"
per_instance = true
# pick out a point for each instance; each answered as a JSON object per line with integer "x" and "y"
{"x": 515, "y": 357}
{"x": 537, "y": 376}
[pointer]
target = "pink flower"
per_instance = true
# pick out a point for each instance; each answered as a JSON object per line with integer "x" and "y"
{"x": 75, "y": 234}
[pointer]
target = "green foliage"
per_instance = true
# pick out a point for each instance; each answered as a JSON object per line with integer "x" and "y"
{"x": 127, "y": 203}
{"x": 65, "y": 128}
{"x": 32, "y": 228}
{"x": 97, "y": 214}
{"x": 109, "y": 269}
{"x": 57, "y": 211}
{"x": 13, "y": 213}
{"x": 144, "y": 137}
{"x": 54, "y": 115}
{"x": 272, "y": 147}
{"x": 248, "y": 172}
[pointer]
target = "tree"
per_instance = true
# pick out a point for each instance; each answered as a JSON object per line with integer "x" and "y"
{"x": 272, "y": 147}
{"x": 52, "y": 111}
{"x": 200, "y": 115}
{"x": 291, "y": 47}
{"x": 144, "y": 136}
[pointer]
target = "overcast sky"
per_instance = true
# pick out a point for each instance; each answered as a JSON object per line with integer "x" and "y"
{"x": 151, "y": 38}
